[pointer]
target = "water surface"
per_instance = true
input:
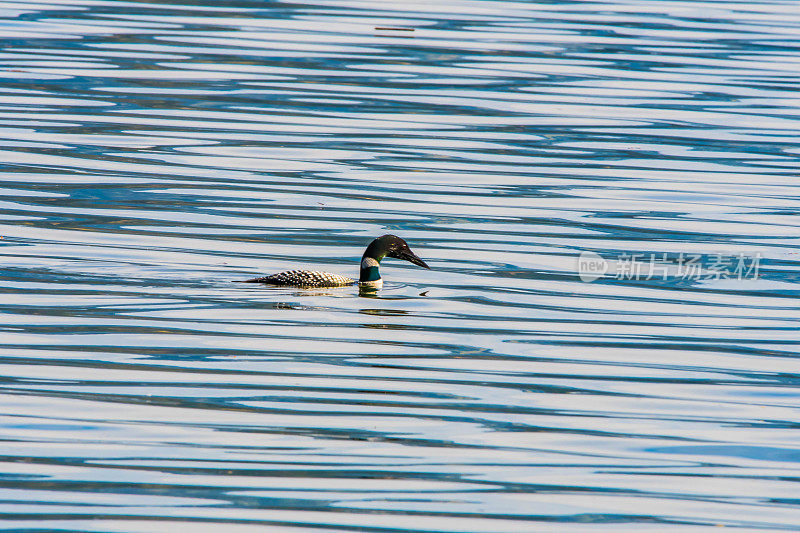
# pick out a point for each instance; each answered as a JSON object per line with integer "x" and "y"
{"x": 154, "y": 152}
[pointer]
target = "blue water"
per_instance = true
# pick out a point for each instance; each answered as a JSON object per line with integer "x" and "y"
{"x": 152, "y": 153}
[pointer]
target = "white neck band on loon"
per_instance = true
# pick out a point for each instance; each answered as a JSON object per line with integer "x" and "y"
{"x": 369, "y": 269}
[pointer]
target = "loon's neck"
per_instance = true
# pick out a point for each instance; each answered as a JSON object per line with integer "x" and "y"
{"x": 369, "y": 269}
{"x": 371, "y": 260}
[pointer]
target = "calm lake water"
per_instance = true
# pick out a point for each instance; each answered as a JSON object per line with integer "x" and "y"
{"x": 154, "y": 152}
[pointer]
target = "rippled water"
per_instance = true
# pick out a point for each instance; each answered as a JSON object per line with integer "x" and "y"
{"x": 155, "y": 152}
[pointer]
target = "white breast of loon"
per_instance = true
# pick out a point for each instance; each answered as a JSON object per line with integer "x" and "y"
{"x": 307, "y": 278}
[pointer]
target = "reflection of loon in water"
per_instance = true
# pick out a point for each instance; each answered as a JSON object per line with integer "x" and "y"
{"x": 385, "y": 246}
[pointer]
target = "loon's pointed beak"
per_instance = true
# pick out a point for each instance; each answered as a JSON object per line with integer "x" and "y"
{"x": 411, "y": 257}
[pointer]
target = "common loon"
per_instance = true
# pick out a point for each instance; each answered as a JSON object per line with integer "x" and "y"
{"x": 384, "y": 246}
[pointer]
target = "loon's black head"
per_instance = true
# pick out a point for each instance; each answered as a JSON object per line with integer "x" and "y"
{"x": 393, "y": 246}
